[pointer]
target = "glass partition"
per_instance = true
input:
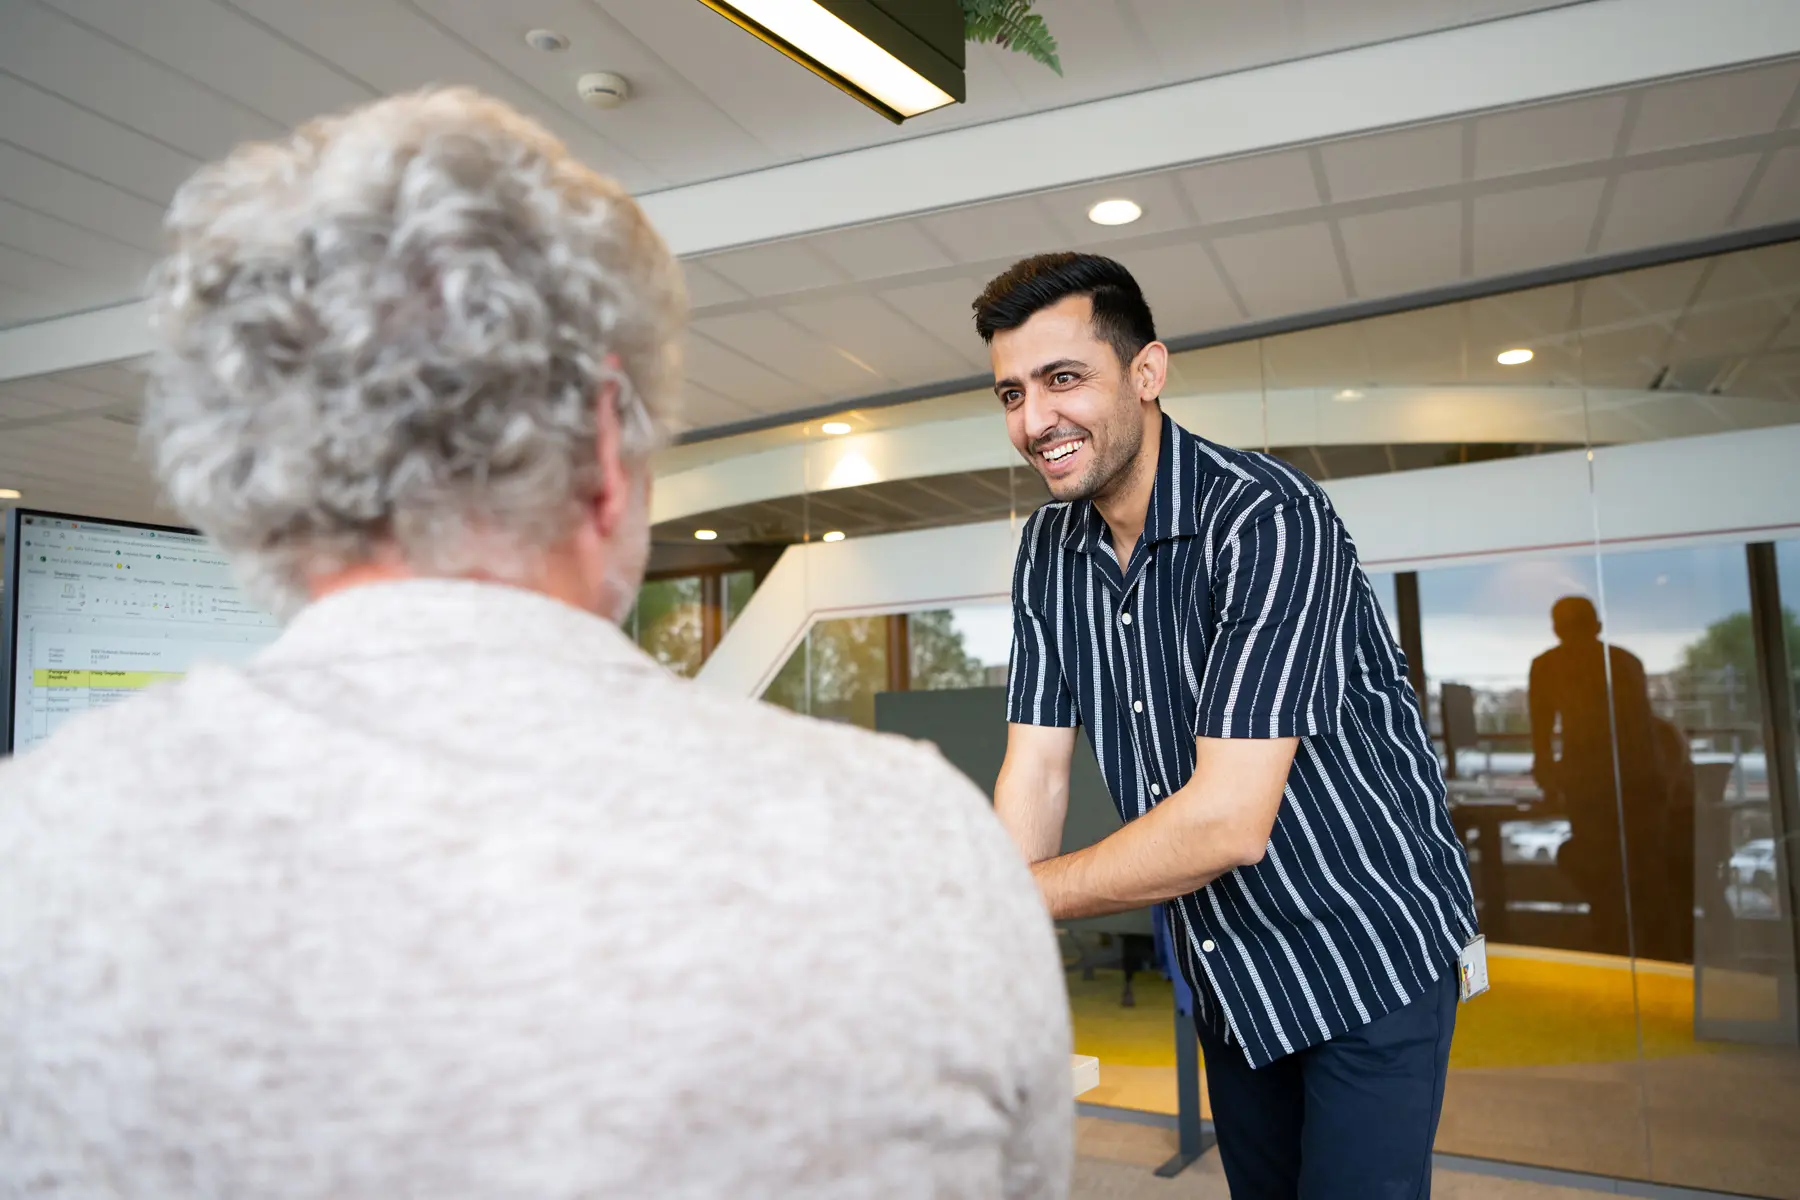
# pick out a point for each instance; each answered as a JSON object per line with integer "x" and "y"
{"x": 1610, "y": 685}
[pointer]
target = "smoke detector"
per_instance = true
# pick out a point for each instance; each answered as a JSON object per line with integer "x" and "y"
{"x": 603, "y": 89}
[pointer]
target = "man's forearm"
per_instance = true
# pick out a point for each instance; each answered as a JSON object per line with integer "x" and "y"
{"x": 1217, "y": 823}
{"x": 1031, "y": 795}
{"x": 1141, "y": 864}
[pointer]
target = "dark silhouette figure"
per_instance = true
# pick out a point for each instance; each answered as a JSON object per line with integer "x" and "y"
{"x": 1569, "y": 693}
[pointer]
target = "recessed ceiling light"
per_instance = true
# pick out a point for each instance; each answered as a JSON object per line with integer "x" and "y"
{"x": 1512, "y": 358}
{"x": 1348, "y": 394}
{"x": 835, "y": 428}
{"x": 9, "y": 494}
{"x": 1114, "y": 212}
{"x": 836, "y": 535}
{"x": 547, "y": 40}
{"x": 706, "y": 535}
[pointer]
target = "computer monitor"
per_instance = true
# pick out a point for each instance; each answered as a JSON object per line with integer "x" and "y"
{"x": 95, "y": 611}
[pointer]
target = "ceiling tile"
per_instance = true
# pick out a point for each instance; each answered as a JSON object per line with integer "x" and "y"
{"x": 15, "y": 407}
{"x": 786, "y": 349}
{"x": 875, "y": 334}
{"x": 227, "y": 52}
{"x": 1332, "y": 25}
{"x": 1534, "y": 227}
{"x": 1777, "y": 196}
{"x": 54, "y": 190}
{"x": 706, "y": 288}
{"x": 1428, "y": 345}
{"x": 73, "y": 247}
{"x": 60, "y": 132}
{"x": 1333, "y": 355}
{"x": 46, "y": 49}
{"x": 703, "y": 408}
{"x": 1284, "y": 271}
{"x": 944, "y": 310}
{"x": 706, "y": 141}
{"x": 18, "y": 308}
{"x": 1405, "y": 249}
{"x": 1263, "y": 185}
{"x": 124, "y": 380}
{"x": 774, "y": 270}
{"x": 1157, "y": 195}
{"x": 1671, "y": 204}
{"x": 1005, "y": 229}
{"x": 395, "y": 47}
{"x": 1408, "y": 160}
{"x": 736, "y": 378}
{"x": 871, "y": 252}
{"x": 1183, "y": 288}
{"x": 778, "y": 104}
{"x": 1547, "y": 135}
{"x": 66, "y": 392}
{"x": 26, "y": 272}
{"x": 1652, "y": 296}
{"x": 1726, "y": 105}
{"x": 1192, "y": 41}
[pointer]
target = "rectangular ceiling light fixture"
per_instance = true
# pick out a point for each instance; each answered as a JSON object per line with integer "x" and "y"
{"x": 899, "y": 57}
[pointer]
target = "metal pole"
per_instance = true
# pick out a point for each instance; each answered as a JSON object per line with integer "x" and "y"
{"x": 1195, "y": 1138}
{"x": 1781, "y": 763}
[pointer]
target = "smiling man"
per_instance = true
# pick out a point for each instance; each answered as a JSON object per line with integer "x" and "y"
{"x": 1201, "y": 612}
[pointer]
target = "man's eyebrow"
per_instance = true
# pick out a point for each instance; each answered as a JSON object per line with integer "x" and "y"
{"x": 1061, "y": 364}
{"x": 1043, "y": 372}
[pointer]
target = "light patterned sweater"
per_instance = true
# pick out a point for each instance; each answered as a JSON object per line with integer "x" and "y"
{"x": 451, "y": 892}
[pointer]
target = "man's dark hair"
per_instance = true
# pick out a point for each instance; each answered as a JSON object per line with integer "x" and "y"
{"x": 1121, "y": 318}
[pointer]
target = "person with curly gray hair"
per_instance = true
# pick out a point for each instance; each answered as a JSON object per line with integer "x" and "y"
{"x": 451, "y": 890}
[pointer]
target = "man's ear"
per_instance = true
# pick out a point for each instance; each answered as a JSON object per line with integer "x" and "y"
{"x": 612, "y": 499}
{"x": 1149, "y": 371}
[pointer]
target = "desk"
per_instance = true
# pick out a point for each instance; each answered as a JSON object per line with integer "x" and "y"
{"x": 1084, "y": 1073}
{"x": 1472, "y": 807}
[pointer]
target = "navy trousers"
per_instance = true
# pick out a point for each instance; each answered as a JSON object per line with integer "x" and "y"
{"x": 1350, "y": 1119}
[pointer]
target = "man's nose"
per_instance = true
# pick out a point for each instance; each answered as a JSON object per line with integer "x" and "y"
{"x": 1040, "y": 412}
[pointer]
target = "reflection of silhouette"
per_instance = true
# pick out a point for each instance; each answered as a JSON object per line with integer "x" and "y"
{"x": 1569, "y": 691}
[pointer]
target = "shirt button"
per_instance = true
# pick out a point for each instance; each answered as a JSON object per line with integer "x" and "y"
{"x": 1124, "y": 618}
{"x": 1208, "y": 946}
{"x": 1156, "y": 789}
{"x": 1137, "y": 706}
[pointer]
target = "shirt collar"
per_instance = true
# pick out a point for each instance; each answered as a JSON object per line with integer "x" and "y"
{"x": 1174, "y": 498}
{"x": 438, "y": 615}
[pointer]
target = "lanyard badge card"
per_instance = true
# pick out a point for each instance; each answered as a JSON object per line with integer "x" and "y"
{"x": 1471, "y": 969}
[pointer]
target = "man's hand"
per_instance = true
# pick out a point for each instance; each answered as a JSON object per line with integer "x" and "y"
{"x": 1219, "y": 822}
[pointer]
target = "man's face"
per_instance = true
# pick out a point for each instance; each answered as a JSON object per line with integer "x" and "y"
{"x": 1071, "y": 407}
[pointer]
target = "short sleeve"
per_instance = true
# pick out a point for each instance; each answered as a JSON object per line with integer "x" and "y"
{"x": 1282, "y": 589}
{"x": 1036, "y": 691}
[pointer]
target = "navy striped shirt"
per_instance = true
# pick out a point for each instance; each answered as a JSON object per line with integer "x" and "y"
{"x": 1243, "y": 613}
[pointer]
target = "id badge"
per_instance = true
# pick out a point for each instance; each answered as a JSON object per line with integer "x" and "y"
{"x": 1471, "y": 969}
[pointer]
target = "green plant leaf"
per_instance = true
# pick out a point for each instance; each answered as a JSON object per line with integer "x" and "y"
{"x": 1012, "y": 24}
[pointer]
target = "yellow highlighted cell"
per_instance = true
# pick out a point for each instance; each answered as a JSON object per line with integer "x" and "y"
{"x": 51, "y": 677}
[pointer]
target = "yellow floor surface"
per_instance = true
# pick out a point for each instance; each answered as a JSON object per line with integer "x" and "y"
{"x": 1546, "y": 1068}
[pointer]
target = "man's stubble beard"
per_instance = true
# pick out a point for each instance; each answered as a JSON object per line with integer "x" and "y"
{"x": 1125, "y": 441}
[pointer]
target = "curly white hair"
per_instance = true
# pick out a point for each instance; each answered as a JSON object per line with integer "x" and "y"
{"x": 389, "y": 329}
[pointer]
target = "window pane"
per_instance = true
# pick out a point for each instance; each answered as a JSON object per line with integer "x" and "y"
{"x": 836, "y": 671}
{"x": 1383, "y": 583}
{"x": 1563, "y": 998}
{"x": 739, "y": 587}
{"x": 1713, "y": 940}
{"x": 960, "y": 647}
{"x": 666, "y": 623}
